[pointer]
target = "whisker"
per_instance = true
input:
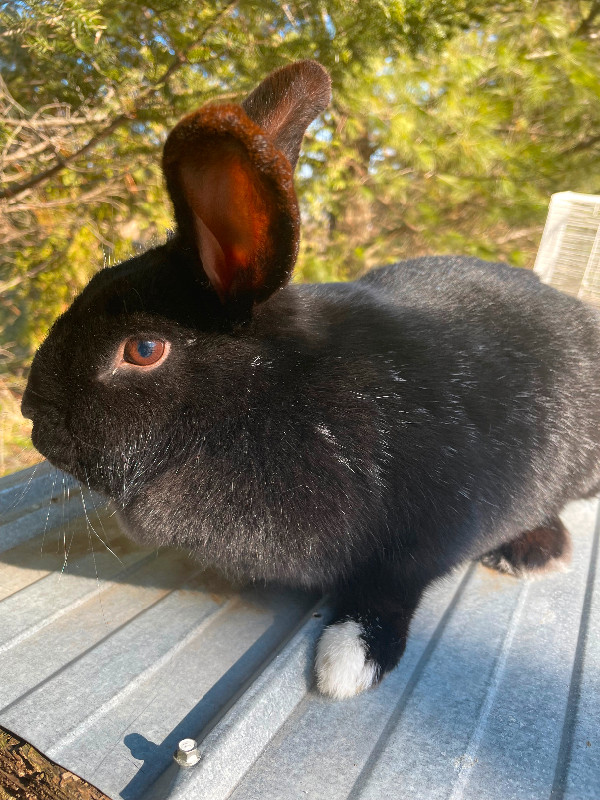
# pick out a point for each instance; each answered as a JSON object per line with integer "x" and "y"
{"x": 95, "y": 532}
{"x": 27, "y": 486}
{"x": 65, "y": 496}
{"x": 67, "y": 550}
{"x": 99, "y": 518}
{"x": 88, "y": 527}
{"x": 48, "y": 514}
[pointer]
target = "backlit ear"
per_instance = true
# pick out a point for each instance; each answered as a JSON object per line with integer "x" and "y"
{"x": 229, "y": 171}
{"x": 234, "y": 201}
{"x": 287, "y": 102}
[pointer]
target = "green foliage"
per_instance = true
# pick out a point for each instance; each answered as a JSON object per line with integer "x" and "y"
{"x": 459, "y": 150}
{"x": 16, "y": 451}
{"x": 100, "y": 84}
{"x": 451, "y": 125}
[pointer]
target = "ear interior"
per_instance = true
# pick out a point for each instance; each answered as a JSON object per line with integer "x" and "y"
{"x": 234, "y": 202}
{"x": 231, "y": 216}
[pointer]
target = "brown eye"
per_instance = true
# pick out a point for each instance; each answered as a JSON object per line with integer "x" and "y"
{"x": 143, "y": 352}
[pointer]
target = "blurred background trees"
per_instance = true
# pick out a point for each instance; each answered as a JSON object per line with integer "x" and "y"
{"x": 452, "y": 123}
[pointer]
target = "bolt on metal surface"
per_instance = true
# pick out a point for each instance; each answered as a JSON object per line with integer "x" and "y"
{"x": 187, "y": 753}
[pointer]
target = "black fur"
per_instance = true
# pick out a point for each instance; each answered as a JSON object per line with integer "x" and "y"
{"x": 360, "y": 438}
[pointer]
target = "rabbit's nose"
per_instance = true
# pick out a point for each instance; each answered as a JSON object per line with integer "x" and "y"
{"x": 26, "y": 405}
{"x": 32, "y": 402}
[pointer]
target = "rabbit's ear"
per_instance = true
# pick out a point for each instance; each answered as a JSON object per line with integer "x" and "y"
{"x": 286, "y": 102}
{"x": 234, "y": 202}
{"x": 232, "y": 186}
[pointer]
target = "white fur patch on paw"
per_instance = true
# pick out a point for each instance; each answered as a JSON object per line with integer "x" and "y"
{"x": 342, "y": 667}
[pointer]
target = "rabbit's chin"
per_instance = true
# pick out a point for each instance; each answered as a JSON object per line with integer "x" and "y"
{"x": 60, "y": 451}
{"x": 80, "y": 472}
{"x": 65, "y": 454}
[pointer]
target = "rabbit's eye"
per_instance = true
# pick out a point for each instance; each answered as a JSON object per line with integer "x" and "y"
{"x": 143, "y": 352}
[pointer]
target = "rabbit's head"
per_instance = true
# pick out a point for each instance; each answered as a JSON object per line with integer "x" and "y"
{"x": 154, "y": 351}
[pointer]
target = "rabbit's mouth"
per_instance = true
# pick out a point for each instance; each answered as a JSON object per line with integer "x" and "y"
{"x": 59, "y": 447}
{"x": 65, "y": 450}
{"x": 49, "y": 435}
{"x": 59, "y": 450}
{"x": 68, "y": 458}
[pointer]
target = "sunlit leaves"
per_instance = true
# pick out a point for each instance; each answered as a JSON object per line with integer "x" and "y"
{"x": 452, "y": 123}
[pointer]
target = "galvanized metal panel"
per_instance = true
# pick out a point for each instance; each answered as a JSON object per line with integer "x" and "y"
{"x": 109, "y": 659}
{"x": 475, "y": 710}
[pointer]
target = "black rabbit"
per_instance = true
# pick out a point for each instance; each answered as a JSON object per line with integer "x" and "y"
{"x": 361, "y": 438}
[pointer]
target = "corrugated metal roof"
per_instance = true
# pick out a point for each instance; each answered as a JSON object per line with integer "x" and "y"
{"x": 109, "y": 661}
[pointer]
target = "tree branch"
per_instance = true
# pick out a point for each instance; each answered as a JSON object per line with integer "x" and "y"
{"x": 582, "y": 145}
{"x": 39, "y": 177}
{"x": 587, "y": 22}
{"x": 6, "y": 286}
{"x": 24, "y": 152}
{"x": 512, "y": 236}
{"x": 119, "y": 120}
{"x": 55, "y": 122}
{"x": 26, "y": 772}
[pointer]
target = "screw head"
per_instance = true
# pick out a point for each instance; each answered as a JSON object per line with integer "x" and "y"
{"x": 187, "y": 753}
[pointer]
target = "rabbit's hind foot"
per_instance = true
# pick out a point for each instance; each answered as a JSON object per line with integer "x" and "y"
{"x": 533, "y": 553}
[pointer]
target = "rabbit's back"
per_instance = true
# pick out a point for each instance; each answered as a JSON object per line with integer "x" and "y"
{"x": 531, "y": 349}
{"x": 463, "y": 285}
{"x": 487, "y": 385}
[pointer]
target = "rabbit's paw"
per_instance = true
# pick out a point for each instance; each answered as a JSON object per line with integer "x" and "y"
{"x": 342, "y": 664}
{"x": 533, "y": 553}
